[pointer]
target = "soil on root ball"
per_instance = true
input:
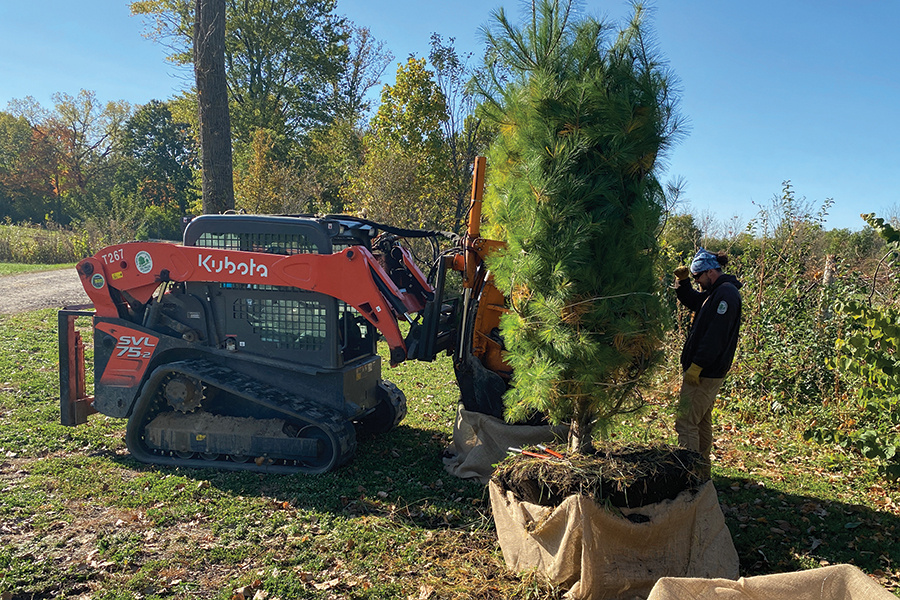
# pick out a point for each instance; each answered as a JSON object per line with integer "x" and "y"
{"x": 622, "y": 475}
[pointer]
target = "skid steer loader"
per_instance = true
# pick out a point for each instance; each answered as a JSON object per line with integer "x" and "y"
{"x": 252, "y": 345}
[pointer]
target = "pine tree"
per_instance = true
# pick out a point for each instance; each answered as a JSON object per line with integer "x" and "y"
{"x": 584, "y": 114}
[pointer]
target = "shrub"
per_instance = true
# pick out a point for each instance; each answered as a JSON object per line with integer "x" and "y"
{"x": 869, "y": 352}
{"x": 43, "y": 244}
{"x": 789, "y": 328}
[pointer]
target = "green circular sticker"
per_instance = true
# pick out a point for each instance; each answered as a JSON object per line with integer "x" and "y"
{"x": 144, "y": 262}
{"x": 97, "y": 281}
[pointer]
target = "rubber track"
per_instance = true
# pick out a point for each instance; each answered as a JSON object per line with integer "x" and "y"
{"x": 397, "y": 399}
{"x": 302, "y": 410}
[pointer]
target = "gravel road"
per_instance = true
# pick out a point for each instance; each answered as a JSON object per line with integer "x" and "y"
{"x": 44, "y": 289}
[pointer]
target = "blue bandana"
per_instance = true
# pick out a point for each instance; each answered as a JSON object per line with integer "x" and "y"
{"x": 704, "y": 260}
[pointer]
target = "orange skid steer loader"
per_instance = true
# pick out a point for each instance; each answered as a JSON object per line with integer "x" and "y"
{"x": 252, "y": 345}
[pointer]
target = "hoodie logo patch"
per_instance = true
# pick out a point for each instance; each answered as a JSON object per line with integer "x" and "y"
{"x": 723, "y": 307}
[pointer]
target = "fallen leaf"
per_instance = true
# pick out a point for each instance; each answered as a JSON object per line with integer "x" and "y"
{"x": 425, "y": 592}
{"x": 327, "y": 585}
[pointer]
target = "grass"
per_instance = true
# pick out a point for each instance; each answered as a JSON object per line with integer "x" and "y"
{"x": 80, "y": 518}
{"x": 19, "y": 268}
{"x": 47, "y": 243}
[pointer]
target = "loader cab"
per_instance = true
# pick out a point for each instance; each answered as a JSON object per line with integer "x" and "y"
{"x": 284, "y": 323}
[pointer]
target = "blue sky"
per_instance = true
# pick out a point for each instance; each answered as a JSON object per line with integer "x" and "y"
{"x": 774, "y": 90}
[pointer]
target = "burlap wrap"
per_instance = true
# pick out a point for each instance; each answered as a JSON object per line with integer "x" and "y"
{"x": 838, "y": 582}
{"x": 598, "y": 553}
{"x": 481, "y": 441}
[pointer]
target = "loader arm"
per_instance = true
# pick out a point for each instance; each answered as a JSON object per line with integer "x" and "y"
{"x": 482, "y": 372}
{"x": 125, "y": 274}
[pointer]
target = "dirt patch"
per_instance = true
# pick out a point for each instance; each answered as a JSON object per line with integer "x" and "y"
{"x": 43, "y": 289}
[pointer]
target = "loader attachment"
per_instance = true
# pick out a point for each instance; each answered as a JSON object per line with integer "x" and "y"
{"x": 74, "y": 403}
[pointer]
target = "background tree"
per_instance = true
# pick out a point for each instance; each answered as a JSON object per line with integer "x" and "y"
{"x": 165, "y": 152}
{"x": 296, "y": 71}
{"x": 583, "y": 117}
{"x": 404, "y": 178}
{"x": 367, "y": 59}
{"x": 853, "y": 246}
{"x": 333, "y": 153}
{"x": 267, "y": 185}
{"x": 682, "y": 235}
{"x": 465, "y": 136}
{"x": 332, "y": 160}
{"x": 25, "y": 160}
{"x": 160, "y": 170}
{"x": 212, "y": 94}
{"x": 75, "y": 150}
{"x": 282, "y": 58}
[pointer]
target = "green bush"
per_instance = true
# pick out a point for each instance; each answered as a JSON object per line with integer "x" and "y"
{"x": 868, "y": 352}
{"x": 789, "y": 327}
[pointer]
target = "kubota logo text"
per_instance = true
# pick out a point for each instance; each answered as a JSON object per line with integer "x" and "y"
{"x": 227, "y": 265}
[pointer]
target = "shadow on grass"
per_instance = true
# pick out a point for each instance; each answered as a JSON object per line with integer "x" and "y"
{"x": 776, "y": 532}
{"x": 399, "y": 474}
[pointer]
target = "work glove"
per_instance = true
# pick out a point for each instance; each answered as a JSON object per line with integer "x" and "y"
{"x": 692, "y": 375}
{"x": 682, "y": 273}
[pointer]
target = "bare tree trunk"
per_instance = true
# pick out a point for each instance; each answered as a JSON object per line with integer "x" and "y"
{"x": 581, "y": 429}
{"x": 828, "y": 274}
{"x": 825, "y": 312}
{"x": 212, "y": 95}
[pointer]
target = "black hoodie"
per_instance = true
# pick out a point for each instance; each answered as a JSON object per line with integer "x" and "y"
{"x": 714, "y": 333}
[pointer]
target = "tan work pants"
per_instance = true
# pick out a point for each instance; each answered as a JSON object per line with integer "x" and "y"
{"x": 694, "y": 420}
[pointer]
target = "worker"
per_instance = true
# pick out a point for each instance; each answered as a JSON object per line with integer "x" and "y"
{"x": 709, "y": 349}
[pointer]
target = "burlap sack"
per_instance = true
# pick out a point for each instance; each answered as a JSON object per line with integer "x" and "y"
{"x": 480, "y": 441}
{"x": 598, "y": 553}
{"x": 838, "y": 582}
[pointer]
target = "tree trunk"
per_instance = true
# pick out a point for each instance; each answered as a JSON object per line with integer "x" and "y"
{"x": 212, "y": 97}
{"x": 825, "y": 312}
{"x": 581, "y": 430}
